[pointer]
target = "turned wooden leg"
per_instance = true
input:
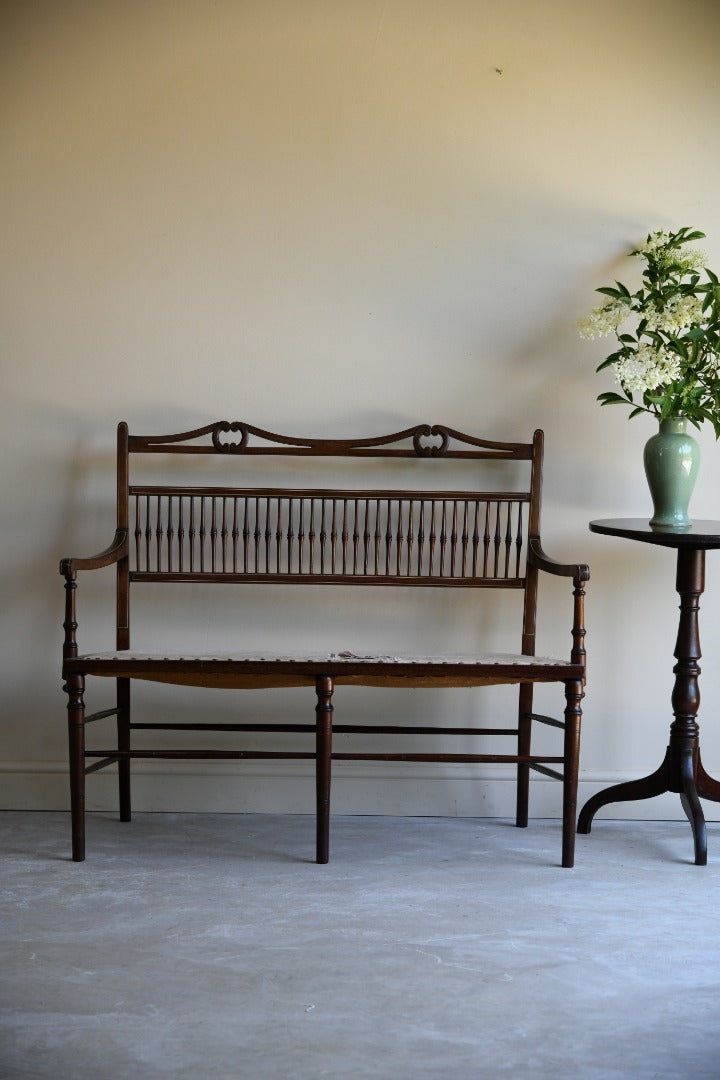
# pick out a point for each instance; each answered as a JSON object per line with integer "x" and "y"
{"x": 524, "y": 745}
{"x": 123, "y": 735}
{"x": 324, "y": 688}
{"x": 573, "y": 719}
{"x": 75, "y": 688}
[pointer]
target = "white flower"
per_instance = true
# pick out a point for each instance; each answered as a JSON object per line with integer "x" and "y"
{"x": 682, "y": 260}
{"x": 654, "y": 242}
{"x": 647, "y": 368}
{"x": 604, "y": 320}
{"x": 659, "y": 249}
{"x": 679, "y": 313}
{"x": 692, "y": 258}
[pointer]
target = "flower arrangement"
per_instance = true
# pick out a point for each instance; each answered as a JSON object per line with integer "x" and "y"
{"x": 669, "y": 365}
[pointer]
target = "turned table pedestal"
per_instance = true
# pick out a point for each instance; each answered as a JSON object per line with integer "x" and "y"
{"x": 681, "y": 770}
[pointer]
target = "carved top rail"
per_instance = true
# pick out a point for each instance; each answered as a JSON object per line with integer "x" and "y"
{"x": 237, "y": 437}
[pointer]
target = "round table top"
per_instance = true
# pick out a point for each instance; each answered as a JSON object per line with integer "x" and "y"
{"x": 701, "y": 534}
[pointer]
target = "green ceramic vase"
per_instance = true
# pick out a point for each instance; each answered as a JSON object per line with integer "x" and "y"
{"x": 672, "y": 459}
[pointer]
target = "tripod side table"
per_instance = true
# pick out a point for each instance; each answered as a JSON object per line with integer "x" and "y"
{"x": 681, "y": 770}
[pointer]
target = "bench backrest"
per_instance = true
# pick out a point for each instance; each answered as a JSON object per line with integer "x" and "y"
{"x": 424, "y": 536}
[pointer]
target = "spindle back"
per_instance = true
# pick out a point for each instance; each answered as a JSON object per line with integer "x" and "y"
{"x": 310, "y": 534}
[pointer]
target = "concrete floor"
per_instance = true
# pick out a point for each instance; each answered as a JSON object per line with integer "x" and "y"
{"x": 211, "y": 946}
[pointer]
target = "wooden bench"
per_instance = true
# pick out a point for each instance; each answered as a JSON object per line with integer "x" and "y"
{"x": 308, "y": 535}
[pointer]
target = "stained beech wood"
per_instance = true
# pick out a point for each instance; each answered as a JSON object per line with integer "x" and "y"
{"x": 308, "y": 535}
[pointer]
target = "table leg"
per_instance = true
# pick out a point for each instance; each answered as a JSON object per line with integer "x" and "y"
{"x": 707, "y": 787}
{"x": 691, "y": 806}
{"x": 681, "y": 770}
{"x": 646, "y": 788}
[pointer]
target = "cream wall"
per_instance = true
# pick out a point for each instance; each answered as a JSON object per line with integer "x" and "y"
{"x": 340, "y": 218}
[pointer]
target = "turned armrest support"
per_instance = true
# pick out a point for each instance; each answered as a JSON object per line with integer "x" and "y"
{"x": 579, "y": 572}
{"x": 117, "y": 550}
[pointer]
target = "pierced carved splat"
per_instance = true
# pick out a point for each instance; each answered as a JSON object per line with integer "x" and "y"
{"x": 237, "y": 437}
{"x": 229, "y": 438}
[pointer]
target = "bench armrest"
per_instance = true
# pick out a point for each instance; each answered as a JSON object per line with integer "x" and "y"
{"x": 538, "y": 558}
{"x": 580, "y": 573}
{"x": 117, "y": 550}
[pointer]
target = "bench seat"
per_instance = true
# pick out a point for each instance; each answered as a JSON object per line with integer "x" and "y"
{"x": 268, "y": 669}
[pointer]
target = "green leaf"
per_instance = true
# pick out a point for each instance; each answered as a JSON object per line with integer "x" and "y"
{"x": 610, "y": 398}
{"x": 607, "y": 290}
{"x": 679, "y": 345}
{"x": 607, "y": 362}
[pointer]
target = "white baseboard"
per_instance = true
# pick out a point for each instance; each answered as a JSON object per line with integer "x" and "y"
{"x": 406, "y": 789}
